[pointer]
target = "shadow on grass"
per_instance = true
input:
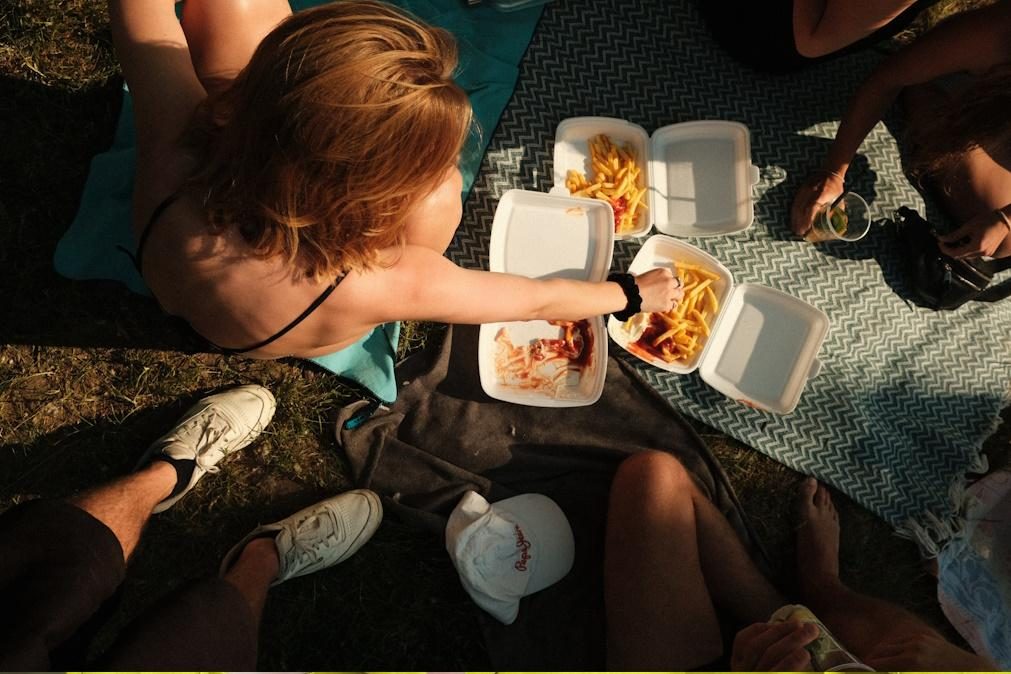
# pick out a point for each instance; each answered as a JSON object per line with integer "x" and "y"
{"x": 50, "y": 137}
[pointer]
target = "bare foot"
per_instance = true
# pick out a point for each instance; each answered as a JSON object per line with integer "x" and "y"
{"x": 817, "y": 538}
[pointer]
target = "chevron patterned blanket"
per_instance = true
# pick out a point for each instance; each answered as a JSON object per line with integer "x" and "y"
{"x": 906, "y": 396}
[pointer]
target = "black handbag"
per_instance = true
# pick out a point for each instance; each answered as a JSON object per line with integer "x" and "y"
{"x": 940, "y": 281}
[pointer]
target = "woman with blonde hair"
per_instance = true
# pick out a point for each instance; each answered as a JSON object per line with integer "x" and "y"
{"x": 955, "y": 84}
{"x": 296, "y": 179}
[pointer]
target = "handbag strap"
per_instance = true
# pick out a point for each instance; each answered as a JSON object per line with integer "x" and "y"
{"x": 1002, "y": 264}
{"x": 995, "y": 293}
{"x": 993, "y": 267}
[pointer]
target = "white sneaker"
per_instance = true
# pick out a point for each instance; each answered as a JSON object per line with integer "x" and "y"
{"x": 319, "y": 536}
{"x": 211, "y": 430}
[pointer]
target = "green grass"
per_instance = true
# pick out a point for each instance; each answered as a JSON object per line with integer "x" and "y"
{"x": 90, "y": 374}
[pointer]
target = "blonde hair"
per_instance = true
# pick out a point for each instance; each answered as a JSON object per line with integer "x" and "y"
{"x": 345, "y": 117}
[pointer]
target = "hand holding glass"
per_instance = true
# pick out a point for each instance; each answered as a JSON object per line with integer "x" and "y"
{"x": 845, "y": 219}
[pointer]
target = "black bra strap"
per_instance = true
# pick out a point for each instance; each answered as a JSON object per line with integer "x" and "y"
{"x": 288, "y": 328}
{"x": 138, "y": 257}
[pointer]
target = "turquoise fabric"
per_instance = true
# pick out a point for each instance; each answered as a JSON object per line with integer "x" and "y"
{"x": 369, "y": 361}
{"x": 491, "y": 44}
{"x": 93, "y": 247}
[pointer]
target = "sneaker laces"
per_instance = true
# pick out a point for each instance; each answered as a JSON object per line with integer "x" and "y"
{"x": 309, "y": 541}
{"x": 214, "y": 429}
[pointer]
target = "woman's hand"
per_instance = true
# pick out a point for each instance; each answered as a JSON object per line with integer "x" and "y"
{"x": 773, "y": 647}
{"x": 820, "y": 188}
{"x": 987, "y": 234}
{"x": 924, "y": 651}
{"x": 660, "y": 290}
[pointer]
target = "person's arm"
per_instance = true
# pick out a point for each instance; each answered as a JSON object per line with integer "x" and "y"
{"x": 973, "y": 41}
{"x": 423, "y": 285}
{"x": 986, "y": 234}
{"x": 821, "y": 27}
{"x": 156, "y": 64}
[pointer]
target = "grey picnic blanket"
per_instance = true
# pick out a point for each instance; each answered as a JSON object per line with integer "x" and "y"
{"x": 906, "y": 395}
{"x": 444, "y": 436}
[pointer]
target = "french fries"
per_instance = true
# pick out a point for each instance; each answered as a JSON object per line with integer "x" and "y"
{"x": 616, "y": 179}
{"x": 679, "y": 334}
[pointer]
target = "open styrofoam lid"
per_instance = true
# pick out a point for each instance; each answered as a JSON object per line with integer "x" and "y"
{"x": 547, "y": 236}
{"x": 702, "y": 178}
{"x": 766, "y": 348}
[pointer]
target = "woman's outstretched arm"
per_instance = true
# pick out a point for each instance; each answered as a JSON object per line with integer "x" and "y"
{"x": 423, "y": 285}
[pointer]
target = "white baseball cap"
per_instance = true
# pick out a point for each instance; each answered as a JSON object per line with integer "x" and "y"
{"x": 507, "y": 550}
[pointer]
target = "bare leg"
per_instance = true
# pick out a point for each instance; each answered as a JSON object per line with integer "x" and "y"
{"x": 860, "y": 622}
{"x": 223, "y": 34}
{"x": 253, "y": 572}
{"x": 735, "y": 583}
{"x": 660, "y": 613}
{"x": 125, "y": 504}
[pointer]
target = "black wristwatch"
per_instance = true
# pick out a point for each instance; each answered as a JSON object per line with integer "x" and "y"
{"x": 633, "y": 300}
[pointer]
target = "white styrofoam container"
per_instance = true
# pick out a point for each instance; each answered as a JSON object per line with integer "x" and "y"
{"x": 546, "y": 236}
{"x": 698, "y": 174}
{"x": 662, "y": 251}
{"x": 763, "y": 343}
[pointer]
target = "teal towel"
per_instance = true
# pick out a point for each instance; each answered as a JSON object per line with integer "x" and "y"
{"x": 369, "y": 361}
{"x": 491, "y": 44}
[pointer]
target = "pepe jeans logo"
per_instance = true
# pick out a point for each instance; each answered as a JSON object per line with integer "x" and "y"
{"x": 524, "y": 547}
